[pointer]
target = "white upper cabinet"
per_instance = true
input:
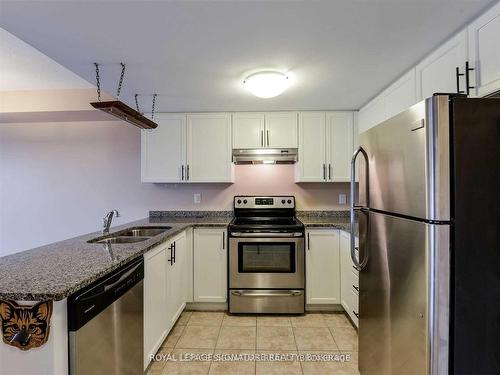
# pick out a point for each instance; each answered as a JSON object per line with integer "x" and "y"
{"x": 265, "y": 130}
{"x": 248, "y": 130}
{"x": 372, "y": 114}
{"x": 437, "y": 72}
{"x": 355, "y": 141}
{"x": 396, "y": 98}
{"x": 400, "y": 95}
{"x": 484, "y": 52}
{"x": 209, "y": 147}
{"x": 281, "y": 130}
{"x": 325, "y": 146}
{"x": 312, "y": 147}
{"x": 163, "y": 150}
{"x": 339, "y": 130}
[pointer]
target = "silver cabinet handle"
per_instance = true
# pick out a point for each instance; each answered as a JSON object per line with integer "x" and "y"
{"x": 262, "y": 138}
{"x": 187, "y": 172}
{"x": 308, "y": 242}
{"x": 359, "y": 265}
{"x": 329, "y": 171}
{"x": 182, "y": 173}
{"x": 355, "y": 287}
{"x": 268, "y": 138}
{"x": 284, "y": 294}
{"x": 284, "y": 235}
{"x": 223, "y": 240}
{"x": 324, "y": 172}
{"x": 355, "y": 313}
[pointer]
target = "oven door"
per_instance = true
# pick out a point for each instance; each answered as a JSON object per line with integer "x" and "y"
{"x": 266, "y": 263}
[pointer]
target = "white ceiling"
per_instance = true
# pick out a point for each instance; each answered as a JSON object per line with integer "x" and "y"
{"x": 24, "y": 68}
{"x": 194, "y": 54}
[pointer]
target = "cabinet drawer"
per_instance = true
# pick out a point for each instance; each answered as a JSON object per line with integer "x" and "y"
{"x": 353, "y": 304}
{"x": 355, "y": 308}
{"x": 353, "y": 280}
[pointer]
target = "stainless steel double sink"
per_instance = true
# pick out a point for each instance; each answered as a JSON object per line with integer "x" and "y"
{"x": 130, "y": 235}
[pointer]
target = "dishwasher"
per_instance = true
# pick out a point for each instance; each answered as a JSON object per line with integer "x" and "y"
{"x": 105, "y": 322}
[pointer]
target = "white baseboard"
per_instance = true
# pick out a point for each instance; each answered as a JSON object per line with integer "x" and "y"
{"x": 206, "y": 306}
{"x": 324, "y": 308}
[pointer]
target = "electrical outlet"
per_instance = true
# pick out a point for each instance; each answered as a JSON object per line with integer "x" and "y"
{"x": 342, "y": 199}
{"x": 197, "y": 198}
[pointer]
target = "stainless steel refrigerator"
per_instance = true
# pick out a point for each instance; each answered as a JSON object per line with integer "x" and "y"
{"x": 429, "y": 236}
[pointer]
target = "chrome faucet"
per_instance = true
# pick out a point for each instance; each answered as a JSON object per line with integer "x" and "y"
{"x": 106, "y": 221}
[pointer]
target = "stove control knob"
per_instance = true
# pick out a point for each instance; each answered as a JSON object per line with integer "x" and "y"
{"x": 239, "y": 201}
{"x": 282, "y": 201}
{"x": 245, "y": 201}
{"x": 289, "y": 201}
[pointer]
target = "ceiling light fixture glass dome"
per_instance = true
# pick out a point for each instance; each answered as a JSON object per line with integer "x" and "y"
{"x": 267, "y": 84}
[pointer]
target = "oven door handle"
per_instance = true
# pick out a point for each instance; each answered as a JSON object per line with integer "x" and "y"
{"x": 293, "y": 293}
{"x": 267, "y": 235}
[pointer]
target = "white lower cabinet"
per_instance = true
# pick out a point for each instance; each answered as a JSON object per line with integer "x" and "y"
{"x": 349, "y": 278}
{"x": 165, "y": 289}
{"x": 210, "y": 265}
{"x": 155, "y": 300}
{"x": 322, "y": 266}
{"x": 176, "y": 281}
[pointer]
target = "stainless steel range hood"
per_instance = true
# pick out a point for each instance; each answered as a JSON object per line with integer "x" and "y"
{"x": 265, "y": 156}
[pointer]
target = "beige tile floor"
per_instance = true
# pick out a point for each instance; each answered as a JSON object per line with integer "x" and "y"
{"x": 211, "y": 334}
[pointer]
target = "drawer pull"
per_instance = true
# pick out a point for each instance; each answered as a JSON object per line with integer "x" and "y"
{"x": 355, "y": 287}
{"x": 355, "y": 313}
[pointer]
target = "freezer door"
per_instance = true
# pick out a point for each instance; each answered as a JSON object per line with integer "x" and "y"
{"x": 403, "y": 303}
{"x": 408, "y": 162}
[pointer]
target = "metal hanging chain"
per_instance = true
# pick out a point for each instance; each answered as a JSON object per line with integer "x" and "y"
{"x": 98, "y": 81}
{"x": 137, "y": 102}
{"x": 153, "y": 107}
{"x": 121, "y": 81}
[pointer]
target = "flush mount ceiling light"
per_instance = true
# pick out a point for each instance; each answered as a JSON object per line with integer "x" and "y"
{"x": 267, "y": 84}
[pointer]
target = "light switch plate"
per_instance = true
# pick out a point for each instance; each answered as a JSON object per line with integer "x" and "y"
{"x": 342, "y": 199}
{"x": 197, "y": 198}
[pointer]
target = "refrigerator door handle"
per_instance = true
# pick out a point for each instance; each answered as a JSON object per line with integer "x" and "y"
{"x": 359, "y": 265}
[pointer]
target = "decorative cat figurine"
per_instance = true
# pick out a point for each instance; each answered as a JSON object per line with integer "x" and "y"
{"x": 25, "y": 327}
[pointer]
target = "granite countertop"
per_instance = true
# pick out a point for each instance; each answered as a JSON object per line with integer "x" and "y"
{"x": 55, "y": 271}
{"x": 326, "y": 219}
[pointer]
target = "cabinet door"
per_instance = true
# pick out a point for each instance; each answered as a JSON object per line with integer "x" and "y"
{"x": 345, "y": 268}
{"x": 372, "y": 114}
{"x": 339, "y": 131}
{"x": 323, "y": 267}
{"x": 155, "y": 300}
{"x": 355, "y": 141}
{"x": 281, "y": 130}
{"x": 437, "y": 72}
{"x": 401, "y": 94}
{"x": 209, "y": 147}
{"x": 248, "y": 130}
{"x": 484, "y": 51}
{"x": 163, "y": 150}
{"x": 210, "y": 265}
{"x": 176, "y": 278}
{"x": 312, "y": 154}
